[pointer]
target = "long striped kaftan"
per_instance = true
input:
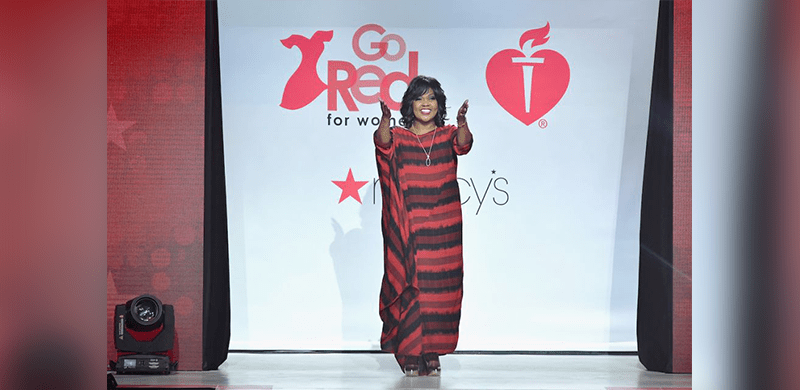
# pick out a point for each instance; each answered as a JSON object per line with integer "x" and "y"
{"x": 420, "y": 298}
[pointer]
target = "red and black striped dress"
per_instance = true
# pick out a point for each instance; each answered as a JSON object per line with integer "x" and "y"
{"x": 420, "y": 298}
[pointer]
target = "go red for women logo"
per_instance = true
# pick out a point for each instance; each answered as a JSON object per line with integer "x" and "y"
{"x": 528, "y": 86}
{"x": 305, "y": 85}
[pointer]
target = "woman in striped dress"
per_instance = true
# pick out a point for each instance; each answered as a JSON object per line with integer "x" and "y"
{"x": 420, "y": 298}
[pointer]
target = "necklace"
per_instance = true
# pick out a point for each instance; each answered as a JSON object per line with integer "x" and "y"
{"x": 430, "y": 149}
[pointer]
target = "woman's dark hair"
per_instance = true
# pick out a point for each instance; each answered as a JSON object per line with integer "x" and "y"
{"x": 416, "y": 88}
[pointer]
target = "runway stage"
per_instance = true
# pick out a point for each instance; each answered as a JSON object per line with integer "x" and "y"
{"x": 255, "y": 371}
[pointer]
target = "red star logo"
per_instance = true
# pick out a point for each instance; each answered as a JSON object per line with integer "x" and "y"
{"x": 349, "y": 187}
{"x": 115, "y": 128}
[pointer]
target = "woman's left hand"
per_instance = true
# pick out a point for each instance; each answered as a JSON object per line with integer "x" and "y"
{"x": 461, "y": 117}
{"x": 464, "y": 136}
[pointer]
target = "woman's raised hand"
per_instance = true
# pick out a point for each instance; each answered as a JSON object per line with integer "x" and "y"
{"x": 386, "y": 113}
{"x": 384, "y": 135}
{"x": 461, "y": 117}
{"x": 463, "y": 136}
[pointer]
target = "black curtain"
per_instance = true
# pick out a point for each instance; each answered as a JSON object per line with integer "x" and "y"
{"x": 216, "y": 281}
{"x": 654, "y": 311}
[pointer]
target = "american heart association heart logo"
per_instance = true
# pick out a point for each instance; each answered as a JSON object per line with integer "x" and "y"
{"x": 528, "y": 86}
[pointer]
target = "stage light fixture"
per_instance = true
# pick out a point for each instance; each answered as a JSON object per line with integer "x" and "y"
{"x": 145, "y": 311}
{"x": 145, "y": 337}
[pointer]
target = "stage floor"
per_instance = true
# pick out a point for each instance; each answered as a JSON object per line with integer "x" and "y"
{"x": 254, "y": 371}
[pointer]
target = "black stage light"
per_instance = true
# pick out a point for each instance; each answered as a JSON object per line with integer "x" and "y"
{"x": 145, "y": 337}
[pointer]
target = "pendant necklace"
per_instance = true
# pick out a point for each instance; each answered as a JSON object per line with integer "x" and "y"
{"x": 427, "y": 152}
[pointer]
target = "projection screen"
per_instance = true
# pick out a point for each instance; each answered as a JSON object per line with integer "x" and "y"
{"x": 559, "y": 93}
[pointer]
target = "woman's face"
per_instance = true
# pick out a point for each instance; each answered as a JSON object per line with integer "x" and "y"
{"x": 426, "y": 107}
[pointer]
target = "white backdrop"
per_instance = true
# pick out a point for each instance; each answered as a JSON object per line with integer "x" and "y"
{"x": 551, "y": 210}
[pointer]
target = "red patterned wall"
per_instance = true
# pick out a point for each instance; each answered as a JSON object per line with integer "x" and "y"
{"x": 682, "y": 188}
{"x": 783, "y": 341}
{"x": 156, "y": 65}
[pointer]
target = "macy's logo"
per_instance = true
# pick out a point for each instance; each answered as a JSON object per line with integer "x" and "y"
{"x": 304, "y": 85}
{"x": 528, "y": 86}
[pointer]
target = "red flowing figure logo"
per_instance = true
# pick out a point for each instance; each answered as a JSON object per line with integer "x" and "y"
{"x": 305, "y": 85}
{"x": 528, "y": 86}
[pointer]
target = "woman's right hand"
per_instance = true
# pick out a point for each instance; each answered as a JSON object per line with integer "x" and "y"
{"x": 384, "y": 135}
{"x": 386, "y": 113}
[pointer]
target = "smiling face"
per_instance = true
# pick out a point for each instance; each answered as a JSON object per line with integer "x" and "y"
{"x": 425, "y": 108}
